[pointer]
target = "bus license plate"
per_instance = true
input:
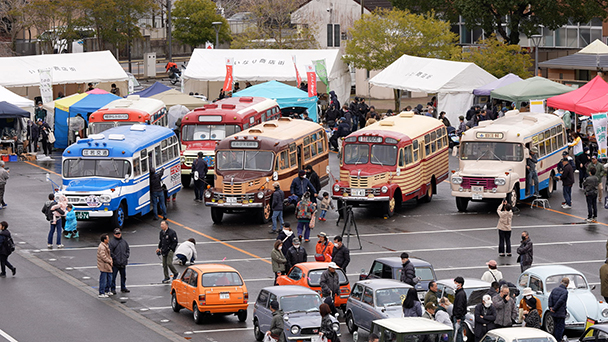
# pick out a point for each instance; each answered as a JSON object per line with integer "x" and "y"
{"x": 224, "y": 295}
{"x": 82, "y": 215}
{"x": 230, "y": 199}
{"x": 477, "y": 188}
{"x": 357, "y": 192}
{"x": 477, "y": 196}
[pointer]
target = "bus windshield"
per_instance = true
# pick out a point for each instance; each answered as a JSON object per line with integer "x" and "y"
{"x": 244, "y": 160}
{"x": 208, "y": 132}
{"x": 384, "y": 154}
{"x": 501, "y": 151}
{"x": 356, "y": 154}
{"x": 113, "y": 168}
{"x": 98, "y": 127}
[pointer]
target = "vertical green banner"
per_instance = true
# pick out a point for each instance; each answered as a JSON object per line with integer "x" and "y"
{"x": 321, "y": 71}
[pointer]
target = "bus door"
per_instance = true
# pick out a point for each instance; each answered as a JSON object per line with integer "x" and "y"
{"x": 299, "y": 149}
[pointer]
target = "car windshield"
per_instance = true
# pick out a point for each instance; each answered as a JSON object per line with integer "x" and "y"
{"x": 356, "y": 154}
{"x": 113, "y": 168}
{"x": 98, "y": 127}
{"x": 390, "y": 297}
{"x": 304, "y": 302}
{"x": 314, "y": 277}
{"x": 500, "y": 151}
{"x": 222, "y": 279}
{"x": 576, "y": 281}
{"x": 244, "y": 160}
{"x": 474, "y": 296}
{"x": 384, "y": 154}
{"x": 208, "y": 132}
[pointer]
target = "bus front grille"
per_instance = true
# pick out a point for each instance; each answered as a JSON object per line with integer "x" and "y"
{"x": 236, "y": 188}
{"x": 487, "y": 183}
{"x": 359, "y": 182}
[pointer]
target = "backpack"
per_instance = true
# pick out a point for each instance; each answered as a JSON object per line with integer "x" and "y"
{"x": 10, "y": 245}
{"x": 46, "y": 210}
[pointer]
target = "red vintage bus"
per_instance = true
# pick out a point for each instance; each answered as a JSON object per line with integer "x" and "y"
{"x": 129, "y": 111}
{"x": 203, "y": 127}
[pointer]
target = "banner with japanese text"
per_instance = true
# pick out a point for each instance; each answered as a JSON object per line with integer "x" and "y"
{"x": 312, "y": 80}
{"x": 298, "y": 78}
{"x": 46, "y": 85}
{"x": 321, "y": 70}
{"x": 599, "y": 127}
{"x": 228, "y": 81}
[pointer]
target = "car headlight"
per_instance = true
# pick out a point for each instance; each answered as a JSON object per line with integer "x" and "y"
{"x": 260, "y": 195}
{"x": 105, "y": 198}
{"x": 295, "y": 330}
{"x": 384, "y": 189}
{"x": 336, "y": 327}
{"x": 605, "y": 312}
{"x": 207, "y": 194}
{"x": 336, "y": 187}
{"x": 456, "y": 180}
{"x": 500, "y": 181}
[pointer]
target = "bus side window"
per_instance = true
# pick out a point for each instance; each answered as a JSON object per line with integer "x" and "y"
{"x": 136, "y": 167}
{"x": 283, "y": 160}
{"x": 144, "y": 163}
{"x": 157, "y": 156}
{"x": 415, "y": 146}
{"x": 541, "y": 148}
{"x": 408, "y": 155}
{"x": 292, "y": 160}
{"x": 427, "y": 149}
{"x": 320, "y": 146}
{"x": 164, "y": 152}
{"x": 401, "y": 158}
{"x": 307, "y": 152}
{"x": 553, "y": 144}
{"x": 560, "y": 139}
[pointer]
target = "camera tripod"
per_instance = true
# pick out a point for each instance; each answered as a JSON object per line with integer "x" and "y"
{"x": 349, "y": 222}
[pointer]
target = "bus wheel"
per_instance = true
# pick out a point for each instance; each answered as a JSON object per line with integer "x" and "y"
{"x": 389, "y": 207}
{"x": 119, "y": 216}
{"x": 429, "y": 195}
{"x": 186, "y": 179}
{"x": 216, "y": 215}
{"x": 265, "y": 213}
{"x": 548, "y": 191}
{"x": 462, "y": 203}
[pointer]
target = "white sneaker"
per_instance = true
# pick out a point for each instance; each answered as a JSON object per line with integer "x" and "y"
{"x": 565, "y": 206}
{"x": 60, "y": 246}
{"x": 102, "y": 295}
{"x": 49, "y": 246}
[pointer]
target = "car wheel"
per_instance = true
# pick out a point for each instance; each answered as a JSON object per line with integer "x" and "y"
{"x": 197, "y": 315}
{"x": 549, "y": 324}
{"x": 242, "y": 315}
{"x": 174, "y": 304}
{"x": 350, "y": 323}
{"x": 259, "y": 336}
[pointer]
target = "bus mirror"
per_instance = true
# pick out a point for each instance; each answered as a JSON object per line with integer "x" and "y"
{"x": 398, "y": 172}
{"x": 267, "y": 179}
{"x": 275, "y": 176}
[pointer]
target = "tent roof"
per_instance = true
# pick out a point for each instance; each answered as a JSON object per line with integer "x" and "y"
{"x": 501, "y": 82}
{"x": 174, "y": 97}
{"x": 154, "y": 89}
{"x": 8, "y": 110}
{"x": 534, "y": 88}
{"x": 272, "y": 90}
{"x": 432, "y": 75}
{"x": 84, "y": 102}
{"x": 260, "y": 64}
{"x": 10, "y": 97}
{"x": 596, "y": 47}
{"x": 99, "y": 66}
{"x": 597, "y": 105}
{"x": 590, "y": 91}
{"x": 578, "y": 61}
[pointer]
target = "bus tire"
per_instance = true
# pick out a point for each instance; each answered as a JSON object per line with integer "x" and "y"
{"x": 462, "y": 203}
{"x": 429, "y": 193}
{"x": 548, "y": 191}
{"x": 186, "y": 179}
{"x": 265, "y": 213}
{"x": 119, "y": 216}
{"x": 216, "y": 215}
{"x": 388, "y": 207}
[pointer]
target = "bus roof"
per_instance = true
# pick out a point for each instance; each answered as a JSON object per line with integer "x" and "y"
{"x": 237, "y": 107}
{"x": 143, "y": 104}
{"x": 272, "y": 132}
{"x": 129, "y": 139}
{"x": 514, "y": 126}
{"x": 403, "y": 126}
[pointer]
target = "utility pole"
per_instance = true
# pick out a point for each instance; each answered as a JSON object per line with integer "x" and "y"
{"x": 170, "y": 47}
{"x": 362, "y": 7}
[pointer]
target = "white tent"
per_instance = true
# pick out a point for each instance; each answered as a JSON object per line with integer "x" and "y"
{"x": 452, "y": 81}
{"x": 261, "y": 66}
{"x": 20, "y": 74}
{"x": 12, "y": 98}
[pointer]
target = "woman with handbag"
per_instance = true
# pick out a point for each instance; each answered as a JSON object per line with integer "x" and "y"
{"x": 304, "y": 213}
{"x": 278, "y": 260}
{"x": 323, "y": 249}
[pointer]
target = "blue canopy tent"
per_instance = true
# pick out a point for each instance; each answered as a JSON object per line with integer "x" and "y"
{"x": 285, "y": 95}
{"x": 70, "y": 106}
{"x": 10, "y": 111}
{"x": 154, "y": 89}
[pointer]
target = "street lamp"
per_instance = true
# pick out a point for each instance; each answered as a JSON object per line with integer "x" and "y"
{"x": 216, "y": 26}
{"x": 536, "y": 39}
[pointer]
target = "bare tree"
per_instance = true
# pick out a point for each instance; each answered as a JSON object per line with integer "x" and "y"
{"x": 14, "y": 19}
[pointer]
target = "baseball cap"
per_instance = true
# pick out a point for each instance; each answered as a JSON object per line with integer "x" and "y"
{"x": 593, "y": 157}
{"x": 322, "y": 234}
{"x": 565, "y": 153}
{"x": 332, "y": 265}
{"x": 117, "y": 231}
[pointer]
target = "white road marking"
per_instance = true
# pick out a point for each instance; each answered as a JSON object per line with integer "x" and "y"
{"x": 7, "y": 336}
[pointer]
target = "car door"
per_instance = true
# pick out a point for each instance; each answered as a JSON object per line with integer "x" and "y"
{"x": 181, "y": 289}
{"x": 354, "y": 303}
{"x": 191, "y": 290}
{"x": 262, "y": 310}
{"x": 367, "y": 306}
{"x": 376, "y": 271}
{"x": 294, "y": 276}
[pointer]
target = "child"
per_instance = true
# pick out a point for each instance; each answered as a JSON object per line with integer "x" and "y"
{"x": 70, "y": 223}
{"x": 326, "y": 204}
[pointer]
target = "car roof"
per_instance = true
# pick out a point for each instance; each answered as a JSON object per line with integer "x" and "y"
{"x": 396, "y": 262}
{"x": 550, "y": 270}
{"x": 412, "y": 325}
{"x": 205, "y": 268}
{"x": 469, "y": 283}
{"x": 281, "y": 290}
{"x": 376, "y": 284}
{"x": 601, "y": 326}
{"x": 313, "y": 265}
{"x": 513, "y": 333}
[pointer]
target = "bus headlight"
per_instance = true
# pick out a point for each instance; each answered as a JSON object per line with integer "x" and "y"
{"x": 105, "y": 198}
{"x": 336, "y": 187}
{"x": 500, "y": 181}
{"x": 182, "y": 159}
{"x": 295, "y": 330}
{"x": 605, "y": 312}
{"x": 456, "y": 180}
{"x": 384, "y": 189}
{"x": 260, "y": 195}
{"x": 207, "y": 194}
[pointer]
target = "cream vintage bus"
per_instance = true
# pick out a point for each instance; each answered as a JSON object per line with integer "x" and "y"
{"x": 249, "y": 162}
{"x": 399, "y": 158}
{"x": 492, "y": 158}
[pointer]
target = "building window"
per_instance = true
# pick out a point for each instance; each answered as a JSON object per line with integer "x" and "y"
{"x": 333, "y": 35}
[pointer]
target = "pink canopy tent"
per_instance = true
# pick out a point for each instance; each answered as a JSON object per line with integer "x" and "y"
{"x": 572, "y": 101}
{"x": 598, "y": 105}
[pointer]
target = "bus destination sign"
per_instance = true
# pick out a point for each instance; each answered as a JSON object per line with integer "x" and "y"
{"x": 95, "y": 153}
{"x": 116, "y": 116}
{"x": 244, "y": 144}
{"x": 489, "y": 135}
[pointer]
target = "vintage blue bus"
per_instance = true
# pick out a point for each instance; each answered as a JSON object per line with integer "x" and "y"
{"x": 107, "y": 175}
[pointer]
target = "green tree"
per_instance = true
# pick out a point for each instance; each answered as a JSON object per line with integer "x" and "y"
{"x": 192, "y": 22}
{"x": 509, "y": 18}
{"x": 380, "y": 38}
{"x": 55, "y": 23}
{"x": 498, "y": 58}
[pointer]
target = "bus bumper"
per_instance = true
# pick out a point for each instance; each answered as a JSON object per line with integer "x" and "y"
{"x": 361, "y": 199}
{"x": 479, "y": 196}
{"x": 83, "y": 214}
{"x": 234, "y": 205}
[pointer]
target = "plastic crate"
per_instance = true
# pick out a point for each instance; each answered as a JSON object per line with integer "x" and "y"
{"x": 13, "y": 158}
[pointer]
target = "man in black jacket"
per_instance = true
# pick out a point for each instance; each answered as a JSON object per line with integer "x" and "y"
{"x": 567, "y": 178}
{"x": 278, "y": 196}
{"x": 313, "y": 177}
{"x": 296, "y": 254}
{"x": 343, "y": 130}
{"x": 119, "y": 250}
{"x": 525, "y": 251}
{"x": 460, "y": 308}
{"x": 199, "y": 173}
{"x": 156, "y": 193}
{"x": 166, "y": 247}
{"x": 557, "y": 305}
{"x": 408, "y": 273}
{"x": 340, "y": 254}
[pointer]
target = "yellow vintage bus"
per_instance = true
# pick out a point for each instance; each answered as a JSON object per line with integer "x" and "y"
{"x": 249, "y": 162}
{"x": 493, "y": 156}
{"x": 394, "y": 160}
